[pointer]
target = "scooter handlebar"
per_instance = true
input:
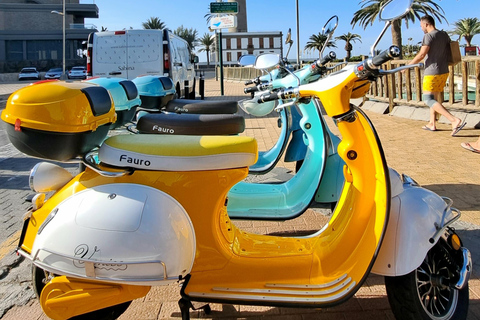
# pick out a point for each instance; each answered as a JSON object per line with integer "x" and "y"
{"x": 271, "y": 96}
{"x": 329, "y": 57}
{"x": 387, "y": 55}
{"x": 250, "y": 89}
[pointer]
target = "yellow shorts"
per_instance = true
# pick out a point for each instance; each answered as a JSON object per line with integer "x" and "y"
{"x": 434, "y": 83}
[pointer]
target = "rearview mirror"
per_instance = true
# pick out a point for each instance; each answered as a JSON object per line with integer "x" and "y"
{"x": 247, "y": 60}
{"x": 194, "y": 59}
{"x": 267, "y": 61}
{"x": 394, "y": 9}
{"x": 328, "y": 30}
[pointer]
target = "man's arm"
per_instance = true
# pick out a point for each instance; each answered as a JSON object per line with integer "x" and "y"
{"x": 420, "y": 55}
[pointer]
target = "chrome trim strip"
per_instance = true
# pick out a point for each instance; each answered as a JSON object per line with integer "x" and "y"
{"x": 466, "y": 269}
{"x": 306, "y": 286}
{"x": 290, "y": 299}
{"x": 89, "y": 161}
{"x": 287, "y": 292}
{"x": 90, "y": 274}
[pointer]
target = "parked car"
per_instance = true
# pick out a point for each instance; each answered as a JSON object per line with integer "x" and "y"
{"x": 77, "y": 73}
{"x": 54, "y": 73}
{"x": 29, "y": 73}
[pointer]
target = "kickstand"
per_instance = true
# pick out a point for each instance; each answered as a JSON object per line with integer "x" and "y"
{"x": 185, "y": 306}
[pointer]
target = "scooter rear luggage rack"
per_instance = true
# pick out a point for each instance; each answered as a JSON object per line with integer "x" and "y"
{"x": 90, "y": 268}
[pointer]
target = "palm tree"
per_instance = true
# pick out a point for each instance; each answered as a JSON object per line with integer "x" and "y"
{"x": 371, "y": 8}
{"x": 467, "y": 28}
{"x": 189, "y": 35}
{"x": 317, "y": 41}
{"x": 154, "y": 23}
{"x": 207, "y": 41}
{"x": 348, "y": 38}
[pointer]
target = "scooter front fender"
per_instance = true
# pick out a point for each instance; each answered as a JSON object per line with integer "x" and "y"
{"x": 415, "y": 216}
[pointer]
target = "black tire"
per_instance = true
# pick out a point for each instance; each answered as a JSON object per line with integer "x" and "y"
{"x": 191, "y": 95}
{"x": 40, "y": 277}
{"x": 420, "y": 295}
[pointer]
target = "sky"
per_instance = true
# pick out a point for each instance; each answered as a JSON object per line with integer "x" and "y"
{"x": 276, "y": 15}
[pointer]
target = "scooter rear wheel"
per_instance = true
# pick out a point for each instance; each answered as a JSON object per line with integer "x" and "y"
{"x": 40, "y": 277}
{"x": 423, "y": 294}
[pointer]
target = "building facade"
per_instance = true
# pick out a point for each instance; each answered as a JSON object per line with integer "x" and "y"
{"x": 31, "y": 35}
{"x": 236, "y": 44}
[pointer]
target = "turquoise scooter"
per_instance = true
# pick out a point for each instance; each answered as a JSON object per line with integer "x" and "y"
{"x": 320, "y": 177}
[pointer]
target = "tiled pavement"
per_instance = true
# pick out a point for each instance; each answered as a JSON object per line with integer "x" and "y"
{"x": 434, "y": 159}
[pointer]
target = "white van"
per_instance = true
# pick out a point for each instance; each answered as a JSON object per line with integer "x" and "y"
{"x": 132, "y": 53}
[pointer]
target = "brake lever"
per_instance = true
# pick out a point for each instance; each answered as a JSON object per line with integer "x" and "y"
{"x": 286, "y": 105}
{"x": 409, "y": 66}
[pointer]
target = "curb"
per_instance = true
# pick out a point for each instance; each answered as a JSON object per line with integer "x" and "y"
{"x": 471, "y": 117}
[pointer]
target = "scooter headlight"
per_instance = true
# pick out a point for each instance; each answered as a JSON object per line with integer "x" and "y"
{"x": 45, "y": 177}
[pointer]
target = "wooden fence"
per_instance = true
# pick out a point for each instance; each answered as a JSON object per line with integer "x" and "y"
{"x": 406, "y": 88}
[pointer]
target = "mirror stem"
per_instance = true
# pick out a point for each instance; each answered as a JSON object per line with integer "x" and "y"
{"x": 372, "y": 50}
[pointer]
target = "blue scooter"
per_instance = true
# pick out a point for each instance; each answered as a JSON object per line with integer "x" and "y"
{"x": 320, "y": 178}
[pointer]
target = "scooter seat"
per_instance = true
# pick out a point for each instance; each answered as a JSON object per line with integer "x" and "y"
{"x": 178, "y": 152}
{"x": 201, "y": 106}
{"x": 191, "y": 124}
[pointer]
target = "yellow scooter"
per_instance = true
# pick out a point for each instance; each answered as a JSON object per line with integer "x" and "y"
{"x": 153, "y": 211}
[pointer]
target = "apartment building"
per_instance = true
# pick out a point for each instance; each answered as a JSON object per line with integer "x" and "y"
{"x": 31, "y": 35}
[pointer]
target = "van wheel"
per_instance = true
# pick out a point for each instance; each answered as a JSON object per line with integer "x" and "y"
{"x": 178, "y": 93}
{"x": 192, "y": 93}
{"x": 41, "y": 277}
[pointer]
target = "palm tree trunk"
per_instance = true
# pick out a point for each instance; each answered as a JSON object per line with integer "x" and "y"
{"x": 397, "y": 35}
{"x": 208, "y": 58}
{"x": 349, "y": 53}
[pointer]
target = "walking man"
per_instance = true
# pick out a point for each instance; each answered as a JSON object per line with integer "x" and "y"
{"x": 434, "y": 51}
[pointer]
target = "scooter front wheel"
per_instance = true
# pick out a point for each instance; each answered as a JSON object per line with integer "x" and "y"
{"x": 41, "y": 277}
{"x": 424, "y": 294}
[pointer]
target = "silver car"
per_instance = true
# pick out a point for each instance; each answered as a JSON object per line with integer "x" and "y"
{"x": 77, "y": 73}
{"x": 29, "y": 73}
{"x": 54, "y": 73}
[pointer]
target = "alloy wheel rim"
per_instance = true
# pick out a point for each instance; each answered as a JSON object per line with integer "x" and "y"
{"x": 438, "y": 300}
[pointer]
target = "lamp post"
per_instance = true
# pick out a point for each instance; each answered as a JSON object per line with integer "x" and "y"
{"x": 298, "y": 36}
{"x": 63, "y": 37}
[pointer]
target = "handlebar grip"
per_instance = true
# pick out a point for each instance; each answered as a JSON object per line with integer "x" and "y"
{"x": 250, "y": 89}
{"x": 329, "y": 57}
{"x": 268, "y": 97}
{"x": 387, "y": 55}
{"x": 249, "y": 82}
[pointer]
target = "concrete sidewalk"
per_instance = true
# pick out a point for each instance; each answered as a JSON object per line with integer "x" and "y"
{"x": 434, "y": 159}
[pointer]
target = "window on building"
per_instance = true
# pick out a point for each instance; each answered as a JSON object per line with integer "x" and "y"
{"x": 271, "y": 42}
{"x": 229, "y": 44}
{"x": 261, "y": 46}
{"x": 14, "y": 50}
{"x": 45, "y": 49}
{"x": 239, "y": 54}
{"x": 229, "y": 56}
{"x": 239, "y": 43}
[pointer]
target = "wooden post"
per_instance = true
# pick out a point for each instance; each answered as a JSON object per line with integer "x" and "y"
{"x": 391, "y": 88}
{"x": 418, "y": 83}
{"x": 464, "y": 83}
{"x": 408, "y": 84}
{"x": 451, "y": 85}
{"x": 477, "y": 83}
{"x": 400, "y": 85}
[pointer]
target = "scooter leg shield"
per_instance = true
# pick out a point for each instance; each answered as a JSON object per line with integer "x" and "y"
{"x": 63, "y": 298}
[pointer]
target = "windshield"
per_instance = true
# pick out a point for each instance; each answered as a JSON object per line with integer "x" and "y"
{"x": 28, "y": 70}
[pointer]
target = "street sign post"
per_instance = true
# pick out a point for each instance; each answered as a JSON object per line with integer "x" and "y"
{"x": 224, "y": 7}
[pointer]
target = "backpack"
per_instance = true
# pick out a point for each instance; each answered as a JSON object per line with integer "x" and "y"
{"x": 453, "y": 52}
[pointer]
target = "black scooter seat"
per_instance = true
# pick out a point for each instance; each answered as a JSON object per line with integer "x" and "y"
{"x": 201, "y": 106}
{"x": 191, "y": 124}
